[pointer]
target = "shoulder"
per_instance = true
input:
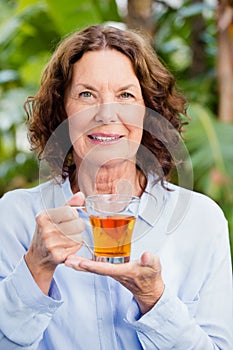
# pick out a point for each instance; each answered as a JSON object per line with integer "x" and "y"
{"x": 50, "y": 194}
{"x": 26, "y": 198}
{"x": 194, "y": 202}
{"x": 187, "y": 198}
{"x": 191, "y": 211}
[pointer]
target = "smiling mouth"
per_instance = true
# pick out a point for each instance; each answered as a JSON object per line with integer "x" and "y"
{"x": 105, "y": 138}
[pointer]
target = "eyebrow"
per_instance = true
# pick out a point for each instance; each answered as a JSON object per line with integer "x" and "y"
{"x": 86, "y": 86}
{"x": 126, "y": 87}
{"x": 90, "y": 87}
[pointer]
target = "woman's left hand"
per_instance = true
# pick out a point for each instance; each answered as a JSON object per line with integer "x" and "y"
{"x": 143, "y": 278}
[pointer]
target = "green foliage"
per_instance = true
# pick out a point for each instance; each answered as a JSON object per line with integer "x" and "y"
{"x": 78, "y": 14}
{"x": 209, "y": 141}
{"x": 173, "y": 39}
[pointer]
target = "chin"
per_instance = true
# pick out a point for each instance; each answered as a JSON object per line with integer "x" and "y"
{"x": 107, "y": 160}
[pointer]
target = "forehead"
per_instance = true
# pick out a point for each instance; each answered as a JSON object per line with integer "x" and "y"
{"x": 102, "y": 64}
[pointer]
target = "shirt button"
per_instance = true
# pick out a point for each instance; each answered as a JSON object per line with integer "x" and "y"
{"x": 52, "y": 307}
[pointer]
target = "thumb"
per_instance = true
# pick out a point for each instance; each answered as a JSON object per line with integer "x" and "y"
{"x": 148, "y": 259}
{"x": 77, "y": 199}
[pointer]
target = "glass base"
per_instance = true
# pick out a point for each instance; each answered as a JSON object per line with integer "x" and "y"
{"x": 112, "y": 259}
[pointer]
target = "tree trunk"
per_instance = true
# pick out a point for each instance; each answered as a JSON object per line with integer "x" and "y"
{"x": 198, "y": 65}
{"x": 225, "y": 59}
{"x": 140, "y": 17}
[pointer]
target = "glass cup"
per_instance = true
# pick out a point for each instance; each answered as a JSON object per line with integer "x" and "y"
{"x": 112, "y": 217}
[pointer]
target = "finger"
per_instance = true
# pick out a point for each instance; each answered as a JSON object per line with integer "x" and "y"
{"x": 100, "y": 268}
{"x": 78, "y": 199}
{"x": 59, "y": 253}
{"x": 72, "y": 227}
{"x": 53, "y": 237}
{"x": 74, "y": 262}
{"x": 57, "y": 215}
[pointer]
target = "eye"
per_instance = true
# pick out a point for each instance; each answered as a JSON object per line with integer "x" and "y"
{"x": 86, "y": 94}
{"x": 76, "y": 95}
{"x": 126, "y": 95}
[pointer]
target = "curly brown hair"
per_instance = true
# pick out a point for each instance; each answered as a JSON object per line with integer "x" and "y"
{"x": 46, "y": 109}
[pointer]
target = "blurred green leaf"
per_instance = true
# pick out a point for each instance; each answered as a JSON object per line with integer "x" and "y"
{"x": 8, "y": 75}
{"x": 194, "y": 9}
{"x": 209, "y": 142}
{"x": 76, "y": 14}
{"x": 8, "y": 29}
{"x": 12, "y": 174}
{"x": 108, "y": 10}
{"x": 31, "y": 71}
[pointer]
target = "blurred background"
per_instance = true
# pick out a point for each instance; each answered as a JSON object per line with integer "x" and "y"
{"x": 193, "y": 38}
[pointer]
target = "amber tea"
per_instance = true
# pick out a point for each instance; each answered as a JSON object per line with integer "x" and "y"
{"x": 112, "y": 235}
{"x": 112, "y": 217}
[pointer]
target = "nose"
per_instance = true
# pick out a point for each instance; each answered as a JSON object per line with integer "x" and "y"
{"x": 106, "y": 113}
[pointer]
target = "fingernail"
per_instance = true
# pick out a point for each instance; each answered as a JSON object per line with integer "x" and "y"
{"x": 68, "y": 264}
{"x": 81, "y": 194}
{"x": 74, "y": 211}
{"x": 72, "y": 261}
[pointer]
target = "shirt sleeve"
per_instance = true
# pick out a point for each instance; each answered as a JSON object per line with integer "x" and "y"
{"x": 25, "y": 326}
{"x": 25, "y": 311}
{"x": 204, "y": 323}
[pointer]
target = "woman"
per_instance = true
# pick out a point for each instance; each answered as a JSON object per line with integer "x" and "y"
{"x": 92, "y": 122}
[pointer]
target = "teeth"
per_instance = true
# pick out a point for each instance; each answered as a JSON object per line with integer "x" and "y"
{"x": 104, "y": 138}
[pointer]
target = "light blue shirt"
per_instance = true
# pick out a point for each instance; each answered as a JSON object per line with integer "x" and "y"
{"x": 86, "y": 311}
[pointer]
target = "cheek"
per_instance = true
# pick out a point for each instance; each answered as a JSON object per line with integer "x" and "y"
{"x": 75, "y": 128}
{"x": 135, "y": 128}
{"x": 71, "y": 107}
{"x": 80, "y": 124}
{"x": 133, "y": 117}
{"x": 135, "y": 133}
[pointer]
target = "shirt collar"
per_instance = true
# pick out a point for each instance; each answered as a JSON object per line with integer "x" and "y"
{"x": 152, "y": 200}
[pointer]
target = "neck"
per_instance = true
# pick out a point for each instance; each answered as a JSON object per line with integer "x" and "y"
{"x": 122, "y": 177}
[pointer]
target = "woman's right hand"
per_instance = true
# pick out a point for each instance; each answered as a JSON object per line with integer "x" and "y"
{"x": 58, "y": 235}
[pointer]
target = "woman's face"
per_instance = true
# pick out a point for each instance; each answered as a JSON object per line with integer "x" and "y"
{"x": 105, "y": 108}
